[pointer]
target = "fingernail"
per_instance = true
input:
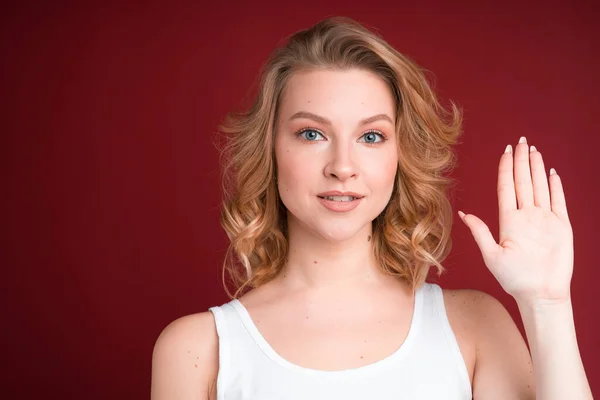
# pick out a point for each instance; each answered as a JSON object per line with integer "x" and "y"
{"x": 552, "y": 171}
{"x": 508, "y": 149}
{"x": 532, "y": 149}
{"x": 523, "y": 140}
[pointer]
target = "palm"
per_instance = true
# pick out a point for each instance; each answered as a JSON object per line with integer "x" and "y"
{"x": 534, "y": 257}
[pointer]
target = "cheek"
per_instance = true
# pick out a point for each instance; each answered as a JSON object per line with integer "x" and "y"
{"x": 386, "y": 179}
{"x": 292, "y": 183}
{"x": 294, "y": 176}
{"x": 382, "y": 170}
{"x": 391, "y": 169}
{"x": 291, "y": 171}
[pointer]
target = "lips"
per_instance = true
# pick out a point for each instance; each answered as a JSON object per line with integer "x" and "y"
{"x": 339, "y": 206}
{"x": 339, "y": 193}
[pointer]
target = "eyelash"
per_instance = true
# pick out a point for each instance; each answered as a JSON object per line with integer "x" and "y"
{"x": 301, "y": 131}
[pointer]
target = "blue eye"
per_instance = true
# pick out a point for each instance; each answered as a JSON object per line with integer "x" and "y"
{"x": 314, "y": 133}
{"x": 373, "y": 134}
{"x": 370, "y": 136}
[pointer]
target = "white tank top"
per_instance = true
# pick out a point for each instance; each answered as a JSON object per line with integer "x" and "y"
{"x": 428, "y": 365}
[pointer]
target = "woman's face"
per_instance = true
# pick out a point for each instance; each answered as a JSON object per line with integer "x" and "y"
{"x": 322, "y": 145}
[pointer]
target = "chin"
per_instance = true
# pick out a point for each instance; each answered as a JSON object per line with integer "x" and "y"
{"x": 340, "y": 232}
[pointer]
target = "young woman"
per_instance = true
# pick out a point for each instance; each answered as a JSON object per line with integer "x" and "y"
{"x": 336, "y": 207}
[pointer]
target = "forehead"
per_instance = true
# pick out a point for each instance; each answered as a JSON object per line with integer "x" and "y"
{"x": 334, "y": 93}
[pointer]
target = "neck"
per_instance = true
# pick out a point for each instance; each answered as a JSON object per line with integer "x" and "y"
{"x": 318, "y": 263}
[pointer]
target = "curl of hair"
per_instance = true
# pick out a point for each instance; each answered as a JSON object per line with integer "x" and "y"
{"x": 412, "y": 233}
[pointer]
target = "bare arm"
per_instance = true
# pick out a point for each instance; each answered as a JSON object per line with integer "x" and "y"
{"x": 503, "y": 367}
{"x": 559, "y": 372}
{"x": 533, "y": 261}
{"x": 185, "y": 359}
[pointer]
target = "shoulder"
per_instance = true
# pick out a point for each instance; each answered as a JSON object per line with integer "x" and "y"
{"x": 483, "y": 315}
{"x": 479, "y": 311}
{"x": 472, "y": 306}
{"x": 503, "y": 367}
{"x": 190, "y": 332}
{"x": 185, "y": 358}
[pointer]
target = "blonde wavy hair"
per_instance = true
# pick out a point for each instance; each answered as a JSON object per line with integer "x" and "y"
{"x": 412, "y": 233}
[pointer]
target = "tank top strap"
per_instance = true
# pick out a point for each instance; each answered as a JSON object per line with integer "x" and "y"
{"x": 222, "y": 322}
{"x": 440, "y": 316}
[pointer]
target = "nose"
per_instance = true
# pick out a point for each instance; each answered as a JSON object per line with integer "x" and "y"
{"x": 341, "y": 163}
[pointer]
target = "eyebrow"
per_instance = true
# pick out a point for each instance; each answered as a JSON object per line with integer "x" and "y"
{"x": 325, "y": 121}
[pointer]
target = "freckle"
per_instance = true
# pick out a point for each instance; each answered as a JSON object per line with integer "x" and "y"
{"x": 369, "y": 238}
{"x": 309, "y": 102}
{"x": 197, "y": 358}
{"x": 361, "y": 356}
{"x": 365, "y": 341}
{"x": 315, "y": 261}
{"x": 196, "y": 365}
{"x": 307, "y": 317}
{"x": 189, "y": 352}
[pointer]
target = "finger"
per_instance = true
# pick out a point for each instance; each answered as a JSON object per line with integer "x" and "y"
{"x": 541, "y": 192}
{"x": 482, "y": 235}
{"x": 523, "y": 184}
{"x": 506, "y": 184}
{"x": 557, "y": 195}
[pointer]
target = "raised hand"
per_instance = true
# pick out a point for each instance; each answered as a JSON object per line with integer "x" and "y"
{"x": 533, "y": 260}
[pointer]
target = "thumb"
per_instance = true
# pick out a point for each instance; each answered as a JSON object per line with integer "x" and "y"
{"x": 480, "y": 231}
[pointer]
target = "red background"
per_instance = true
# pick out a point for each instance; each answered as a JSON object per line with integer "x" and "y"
{"x": 111, "y": 180}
